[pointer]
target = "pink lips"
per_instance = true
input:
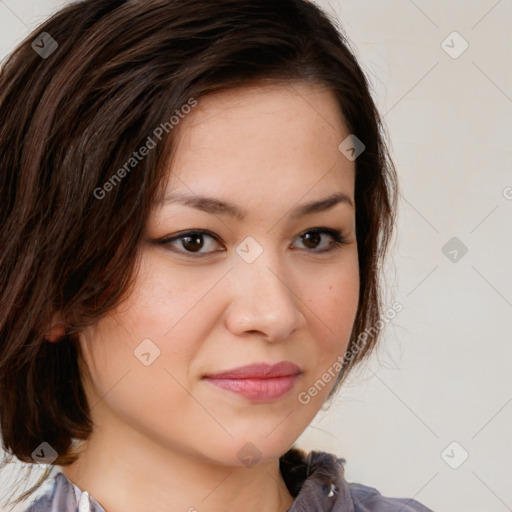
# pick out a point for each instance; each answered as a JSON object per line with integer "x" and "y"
{"x": 259, "y": 382}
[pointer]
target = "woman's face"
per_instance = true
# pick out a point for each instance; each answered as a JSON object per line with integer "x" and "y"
{"x": 251, "y": 290}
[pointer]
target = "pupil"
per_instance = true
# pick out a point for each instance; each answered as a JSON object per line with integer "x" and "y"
{"x": 307, "y": 239}
{"x": 188, "y": 242}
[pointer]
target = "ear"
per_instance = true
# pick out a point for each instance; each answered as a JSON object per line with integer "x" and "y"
{"x": 58, "y": 328}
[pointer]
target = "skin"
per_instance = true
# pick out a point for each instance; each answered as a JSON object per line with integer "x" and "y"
{"x": 165, "y": 438}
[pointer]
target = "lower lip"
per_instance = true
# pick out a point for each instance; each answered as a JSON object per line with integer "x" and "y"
{"x": 259, "y": 390}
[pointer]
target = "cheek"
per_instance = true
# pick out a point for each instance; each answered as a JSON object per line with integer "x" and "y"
{"x": 124, "y": 384}
{"x": 335, "y": 297}
{"x": 339, "y": 302}
{"x": 333, "y": 307}
{"x": 168, "y": 315}
{"x": 167, "y": 301}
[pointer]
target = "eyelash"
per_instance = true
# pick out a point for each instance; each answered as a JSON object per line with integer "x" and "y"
{"x": 337, "y": 236}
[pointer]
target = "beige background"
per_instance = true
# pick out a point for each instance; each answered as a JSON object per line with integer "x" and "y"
{"x": 443, "y": 373}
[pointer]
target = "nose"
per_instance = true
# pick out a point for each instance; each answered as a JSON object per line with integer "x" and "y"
{"x": 264, "y": 301}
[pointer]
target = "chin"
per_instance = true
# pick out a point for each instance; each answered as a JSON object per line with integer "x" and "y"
{"x": 247, "y": 451}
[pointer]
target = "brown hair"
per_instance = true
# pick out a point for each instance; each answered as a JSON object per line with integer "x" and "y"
{"x": 75, "y": 114}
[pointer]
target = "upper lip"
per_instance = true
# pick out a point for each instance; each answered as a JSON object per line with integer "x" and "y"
{"x": 259, "y": 371}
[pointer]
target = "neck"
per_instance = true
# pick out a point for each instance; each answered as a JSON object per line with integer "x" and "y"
{"x": 126, "y": 471}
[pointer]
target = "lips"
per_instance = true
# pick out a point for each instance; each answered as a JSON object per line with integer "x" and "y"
{"x": 259, "y": 382}
{"x": 259, "y": 371}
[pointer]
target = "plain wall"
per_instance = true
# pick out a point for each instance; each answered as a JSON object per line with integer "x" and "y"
{"x": 440, "y": 383}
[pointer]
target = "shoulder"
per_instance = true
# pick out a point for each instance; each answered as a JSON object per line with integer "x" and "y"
{"x": 41, "y": 500}
{"x": 317, "y": 481}
{"x": 62, "y": 495}
{"x": 369, "y": 499}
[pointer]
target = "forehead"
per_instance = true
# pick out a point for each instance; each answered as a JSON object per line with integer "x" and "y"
{"x": 255, "y": 114}
{"x": 262, "y": 140}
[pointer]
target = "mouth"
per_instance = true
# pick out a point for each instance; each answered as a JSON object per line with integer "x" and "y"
{"x": 259, "y": 382}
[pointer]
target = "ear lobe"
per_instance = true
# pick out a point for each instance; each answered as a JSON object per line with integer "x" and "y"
{"x": 58, "y": 329}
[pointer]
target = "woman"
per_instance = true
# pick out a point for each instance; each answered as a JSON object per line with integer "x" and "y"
{"x": 196, "y": 203}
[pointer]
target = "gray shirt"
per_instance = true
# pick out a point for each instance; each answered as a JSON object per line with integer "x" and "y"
{"x": 316, "y": 481}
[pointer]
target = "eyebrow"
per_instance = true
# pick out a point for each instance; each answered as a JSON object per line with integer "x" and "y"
{"x": 218, "y": 207}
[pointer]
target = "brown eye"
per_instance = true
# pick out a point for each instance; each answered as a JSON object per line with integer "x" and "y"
{"x": 198, "y": 243}
{"x": 192, "y": 242}
{"x": 313, "y": 239}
